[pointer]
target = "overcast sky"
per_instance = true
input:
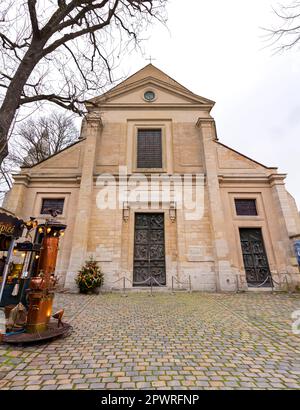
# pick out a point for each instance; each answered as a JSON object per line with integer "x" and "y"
{"x": 217, "y": 49}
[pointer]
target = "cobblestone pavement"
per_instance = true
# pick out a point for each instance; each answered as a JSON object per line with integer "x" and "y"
{"x": 197, "y": 341}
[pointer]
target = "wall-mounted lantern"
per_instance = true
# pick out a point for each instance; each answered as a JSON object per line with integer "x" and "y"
{"x": 172, "y": 211}
{"x": 30, "y": 225}
{"x": 126, "y": 211}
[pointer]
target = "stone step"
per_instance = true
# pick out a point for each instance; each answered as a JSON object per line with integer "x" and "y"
{"x": 260, "y": 289}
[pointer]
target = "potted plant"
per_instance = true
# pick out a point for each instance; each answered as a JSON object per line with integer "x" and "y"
{"x": 90, "y": 277}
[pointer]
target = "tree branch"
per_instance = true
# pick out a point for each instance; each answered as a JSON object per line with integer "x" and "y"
{"x": 7, "y": 43}
{"x": 37, "y": 68}
{"x": 72, "y": 36}
{"x": 5, "y": 176}
{"x": 76, "y": 20}
{"x": 77, "y": 65}
{"x": 68, "y": 103}
{"x": 289, "y": 28}
{"x": 33, "y": 19}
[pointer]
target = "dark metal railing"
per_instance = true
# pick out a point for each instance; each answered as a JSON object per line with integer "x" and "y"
{"x": 151, "y": 282}
{"x": 268, "y": 278}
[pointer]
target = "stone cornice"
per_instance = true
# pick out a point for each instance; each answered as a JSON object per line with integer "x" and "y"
{"x": 203, "y": 120}
{"x": 94, "y": 117}
{"x": 152, "y": 107}
{"x": 210, "y": 121}
{"x": 252, "y": 178}
{"x": 277, "y": 179}
{"x": 21, "y": 179}
{"x": 27, "y": 179}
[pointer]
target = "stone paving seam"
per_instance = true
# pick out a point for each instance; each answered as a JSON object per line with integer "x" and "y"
{"x": 81, "y": 310}
{"x": 4, "y": 382}
{"x": 256, "y": 327}
{"x": 188, "y": 343}
{"x": 253, "y": 326}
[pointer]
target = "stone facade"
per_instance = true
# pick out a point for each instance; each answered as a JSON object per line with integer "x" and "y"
{"x": 207, "y": 250}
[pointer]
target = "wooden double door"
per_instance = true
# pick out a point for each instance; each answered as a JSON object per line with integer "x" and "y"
{"x": 149, "y": 250}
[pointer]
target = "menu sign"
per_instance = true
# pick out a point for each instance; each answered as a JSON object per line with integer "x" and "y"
{"x": 6, "y": 229}
{"x": 10, "y": 226}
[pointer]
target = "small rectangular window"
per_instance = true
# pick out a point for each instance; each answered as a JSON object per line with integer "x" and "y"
{"x": 149, "y": 149}
{"x": 246, "y": 207}
{"x": 55, "y": 204}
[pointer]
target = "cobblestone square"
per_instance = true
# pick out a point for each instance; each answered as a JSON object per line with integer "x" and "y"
{"x": 186, "y": 341}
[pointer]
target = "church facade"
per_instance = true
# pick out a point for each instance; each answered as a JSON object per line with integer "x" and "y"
{"x": 151, "y": 193}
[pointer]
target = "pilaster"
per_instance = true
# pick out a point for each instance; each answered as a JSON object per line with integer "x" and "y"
{"x": 92, "y": 131}
{"x": 286, "y": 222}
{"x": 225, "y": 279}
{"x": 14, "y": 199}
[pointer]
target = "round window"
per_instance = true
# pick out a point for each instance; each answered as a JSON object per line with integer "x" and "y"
{"x": 149, "y": 95}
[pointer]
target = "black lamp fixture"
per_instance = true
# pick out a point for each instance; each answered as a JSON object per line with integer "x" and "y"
{"x": 52, "y": 227}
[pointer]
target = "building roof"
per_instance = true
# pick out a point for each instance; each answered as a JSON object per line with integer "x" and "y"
{"x": 147, "y": 74}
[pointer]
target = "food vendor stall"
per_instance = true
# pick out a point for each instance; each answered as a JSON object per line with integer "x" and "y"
{"x": 35, "y": 263}
{"x": 11, "y": 229}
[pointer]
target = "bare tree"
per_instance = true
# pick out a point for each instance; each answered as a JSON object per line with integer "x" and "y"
{"x": 5, "y": 179}
{"x": 37, "y": 139}
{"x": 287, "y": 34}
{"x": 63, "y": 50}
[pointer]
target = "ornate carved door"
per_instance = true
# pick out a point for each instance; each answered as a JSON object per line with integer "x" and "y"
{"x": 255, "y": 257}
{"x": 149, "y": 249}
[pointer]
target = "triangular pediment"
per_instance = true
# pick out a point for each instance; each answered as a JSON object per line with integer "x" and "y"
{"x": 69, "y": 158}
{"x": 167, "y": 91}
{"x": 150, "y": 71}
{"x": 230, "y": 159}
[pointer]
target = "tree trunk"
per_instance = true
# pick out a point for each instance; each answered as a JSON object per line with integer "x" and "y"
{"x": 14, "y": 92}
